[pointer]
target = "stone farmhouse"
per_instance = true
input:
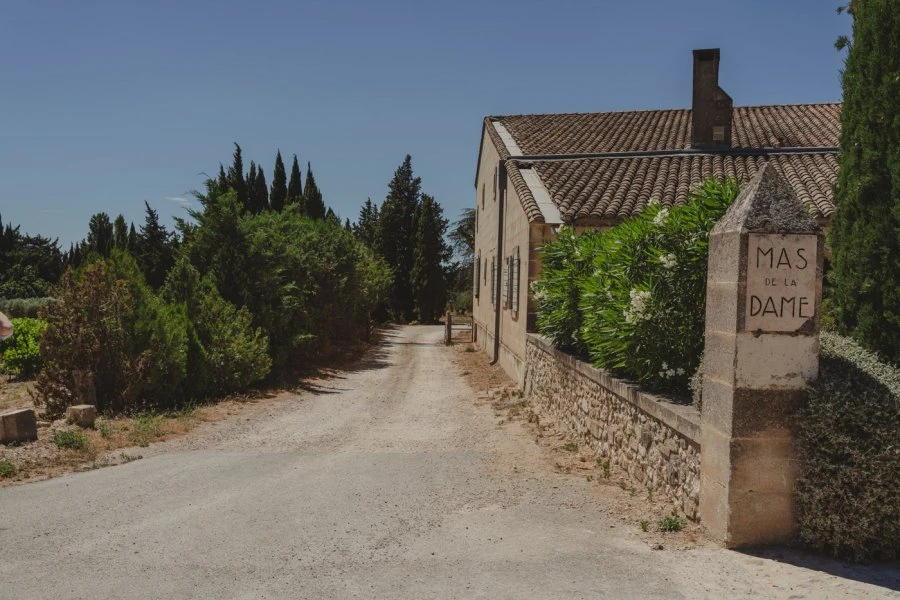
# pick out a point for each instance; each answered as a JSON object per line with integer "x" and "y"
{"x": 591, "y": 170}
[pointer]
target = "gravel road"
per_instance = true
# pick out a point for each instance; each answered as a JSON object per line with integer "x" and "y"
{"x": 388, "y": 481}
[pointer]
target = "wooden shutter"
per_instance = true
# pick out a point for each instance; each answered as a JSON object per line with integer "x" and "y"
{"x": 515, "y": 277}
{"x": 477, "y": 283}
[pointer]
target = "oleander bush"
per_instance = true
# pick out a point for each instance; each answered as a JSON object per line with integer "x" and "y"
{"x": 632, "y": 299}
{"x": 20, "y": 354}
{"x": 848, "y": 492}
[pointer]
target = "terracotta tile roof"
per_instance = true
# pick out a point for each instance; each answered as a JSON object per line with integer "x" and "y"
{"x": 610, "y": 188}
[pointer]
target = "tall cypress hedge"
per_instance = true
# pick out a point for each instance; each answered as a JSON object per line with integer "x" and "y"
{"x": 865, "y": 231}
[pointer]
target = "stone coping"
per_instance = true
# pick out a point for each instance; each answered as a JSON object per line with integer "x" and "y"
{"x": 682, "y": 418}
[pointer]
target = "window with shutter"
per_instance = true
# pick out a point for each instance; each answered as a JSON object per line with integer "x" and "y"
{"x": 477, "y": 278}
{"x": 505, "y": 275}
{"x": 515, "y": 277}
{"x": 493, "y": 280}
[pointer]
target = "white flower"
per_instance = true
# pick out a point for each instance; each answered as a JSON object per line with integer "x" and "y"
{"x": 670, "y": 373}
{"x": 639, "y": 302}
{"x": 679, "y": 371}
{"x": 668, "y": 261}
{"x": 653, "y": 202}
{"x": 660, "y": 217}
{"x": 665, "y": 366}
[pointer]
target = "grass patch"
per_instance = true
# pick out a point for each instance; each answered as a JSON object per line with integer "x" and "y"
{"x": 103, "y": 428}
{"x": 145, "y": 429}
{"x": 672, "y": 522}
{"x": 603, "y": 463}
{"x": 7, "y": 469}
{"x": 645, "y": 525}
{"x": 570, "y": 447}
{"x": 72, "y": 440}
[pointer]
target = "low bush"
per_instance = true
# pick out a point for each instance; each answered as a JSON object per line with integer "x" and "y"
{"x": 71, "y": 440}
{"x": 848, "y": 492}
{"x": 20, "y": 354}
{"x": 633, "y": 298}
{"x": 7, "y": 469}
{"x": 23, "y": 307}
{"x": 672, "y": 522}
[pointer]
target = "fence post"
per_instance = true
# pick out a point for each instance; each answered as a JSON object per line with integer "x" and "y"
{"x": 763, "y": 304}
{"x": 448, "y": 332}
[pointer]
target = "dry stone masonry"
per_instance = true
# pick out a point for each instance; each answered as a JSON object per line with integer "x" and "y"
{"x": 656, "y": 442}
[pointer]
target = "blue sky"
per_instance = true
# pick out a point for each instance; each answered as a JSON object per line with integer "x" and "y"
{"x": 108, "y": 104}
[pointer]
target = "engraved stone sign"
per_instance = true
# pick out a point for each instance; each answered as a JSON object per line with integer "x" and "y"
{"x": 781, "y": 281}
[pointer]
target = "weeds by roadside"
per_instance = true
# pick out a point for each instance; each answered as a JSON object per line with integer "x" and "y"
{"x": 7, "y": 469}
{"x": 72, "y": 440}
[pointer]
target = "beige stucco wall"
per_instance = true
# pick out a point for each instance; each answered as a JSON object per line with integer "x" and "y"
{"x": 517, "y": 234}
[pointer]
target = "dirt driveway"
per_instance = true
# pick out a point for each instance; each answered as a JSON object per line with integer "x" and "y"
{"x": 388, "y": 481}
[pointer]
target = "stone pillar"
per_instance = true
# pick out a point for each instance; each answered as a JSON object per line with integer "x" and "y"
{"x": 763, "y": 303}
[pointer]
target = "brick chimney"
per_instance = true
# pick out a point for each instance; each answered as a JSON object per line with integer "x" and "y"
{"x": 711, "y": 107}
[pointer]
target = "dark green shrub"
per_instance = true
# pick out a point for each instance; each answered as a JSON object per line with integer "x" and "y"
{"x": 22, "y": 307}
{"x": 633, "y": 298}
{"x": 848, "y": 492}
{"x": 23, "y": 281}
{"x": 107, "y": 323}
{"x": 865, "y": 230}
{"x": 225, "y": 352}
{"x": 7, "y": 469}
{"x": 20, "y": 354}
{"x": 306, "y": 282}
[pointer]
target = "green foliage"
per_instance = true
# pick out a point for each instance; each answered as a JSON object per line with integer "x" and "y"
{"x": 7, "y": 469}
{"x": 278, "y": 195}
{"x": 430, "y": 252}
{"x": 225, "y": 352}
{"x": 23, "y": 307}
{"x": 20, "y": 353}
{"x": 155, "y": 249}
{"x": 305, "y": 282}
{"x": 366, "y": 227}
{"x": 848, "y": 491}
{"x": 633, "y": 298}
{"x": 396, "y": 235}
{"x": 313, "y": 204}
{"x": 71, "y": 440}
{"x": 100, "y": 235}
{"x": 672, "y": 522}
{"x": 145, "y": 428}
{"x": 295, "y": 188}
{"x": 22, "y": 281}
{"x": 865, "y": 231}
{"x": 109, "y": 324}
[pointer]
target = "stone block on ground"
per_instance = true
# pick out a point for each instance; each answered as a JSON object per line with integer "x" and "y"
{"x": 18, "y": 426}
{"x": 82, "y": 415}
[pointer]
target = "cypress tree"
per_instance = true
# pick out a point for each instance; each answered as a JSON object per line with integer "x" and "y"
{"x": 295, "y": 189}
{"x": 395, "y": 236}
{"x": 366, "y": 228}
{"x": 278, "y": 195}
{"x": 100, "y": 234}
{"x": 251, "y": 190}
{"x": 429, "y": 285}
{"x": 221, "y": 182}
{"x": 236, "y": 179}
{"x": 865, "y": 231}
{"x": 120, "y": 233}
{"x": 261, "y": 199}
{"x": 313, "y": 204}
{"x": 132, "y": 237}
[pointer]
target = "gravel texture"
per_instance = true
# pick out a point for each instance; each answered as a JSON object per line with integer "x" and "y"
{"x": 388, "y": 480}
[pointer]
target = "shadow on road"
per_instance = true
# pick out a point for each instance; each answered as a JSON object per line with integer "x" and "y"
{"x": 885, "y": 575}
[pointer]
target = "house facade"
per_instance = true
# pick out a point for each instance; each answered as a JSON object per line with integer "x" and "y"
{"x": 592, "y": 170}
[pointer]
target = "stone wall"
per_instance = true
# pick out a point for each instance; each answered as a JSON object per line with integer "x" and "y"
{"x": 656, "y": 442}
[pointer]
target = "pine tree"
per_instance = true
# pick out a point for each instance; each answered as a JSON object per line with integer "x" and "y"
{"x": 865, "y": 230}
{"x": 295, "y": 189}
{"x": 120, "y": 233}
{"x": 313, "y": 205}
{"x": 100, "y": 234}
{"x": 366, "y": 228}
{"x": 278, "y": 195}
{"x": 236, "y": 177}
{"x": 261, "y": 197}
{"x": 431, "y": 251}
{"x": 221, "y": 182}
{"x": 155, "y": 250}
{"x": 395, "y": 236}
